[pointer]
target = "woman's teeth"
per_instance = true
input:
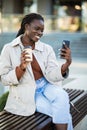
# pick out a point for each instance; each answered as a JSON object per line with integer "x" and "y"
{"x": 37, "y": 37}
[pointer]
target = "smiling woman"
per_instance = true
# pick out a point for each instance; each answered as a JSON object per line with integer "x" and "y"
{"x": 35, "y": 85}
{"x": 33, "y": 31}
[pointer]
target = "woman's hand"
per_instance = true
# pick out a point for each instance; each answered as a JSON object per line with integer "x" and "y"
{"x": 66, "y": 54}
{"x": 25, "y": 59}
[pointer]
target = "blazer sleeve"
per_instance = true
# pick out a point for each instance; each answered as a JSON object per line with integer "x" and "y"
{"x": 53, "y": 69}
{"x": 7, "y": 73}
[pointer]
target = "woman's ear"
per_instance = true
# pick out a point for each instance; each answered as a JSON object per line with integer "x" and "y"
{"x": 26, "y": 26}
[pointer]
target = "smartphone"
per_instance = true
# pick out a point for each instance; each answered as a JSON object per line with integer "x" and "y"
{"x": 65, "y": 42}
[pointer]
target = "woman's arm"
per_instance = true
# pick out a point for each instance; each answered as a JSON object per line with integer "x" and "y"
{"x": 66, "y": 54}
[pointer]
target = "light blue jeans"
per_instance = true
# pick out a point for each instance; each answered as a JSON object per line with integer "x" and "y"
{"x": 53, "y": 101}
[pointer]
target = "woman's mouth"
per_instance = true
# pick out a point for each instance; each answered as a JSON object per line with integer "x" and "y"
{"x": 37, "y": 37}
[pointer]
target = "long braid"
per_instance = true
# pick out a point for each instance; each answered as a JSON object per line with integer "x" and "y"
{"x": 22, "y": 29}
{"x": 27, "y": 20}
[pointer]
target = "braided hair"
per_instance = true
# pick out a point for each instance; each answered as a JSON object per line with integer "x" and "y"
{"x": 27, "y": 20}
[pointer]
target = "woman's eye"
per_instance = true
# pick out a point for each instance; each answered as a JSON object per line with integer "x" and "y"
{"x": 36, "y": 28}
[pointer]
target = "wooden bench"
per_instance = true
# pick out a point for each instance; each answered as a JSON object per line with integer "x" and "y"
{"x": 40, "y": 121}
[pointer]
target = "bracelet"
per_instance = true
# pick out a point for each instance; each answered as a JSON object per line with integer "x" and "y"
{"x": 23, "y": 69}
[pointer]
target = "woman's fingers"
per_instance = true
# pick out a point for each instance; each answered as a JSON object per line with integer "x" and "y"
{"x": 66, "y": 53}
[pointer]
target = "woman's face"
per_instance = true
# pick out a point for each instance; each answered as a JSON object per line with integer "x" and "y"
{"x": 34, "y": 30}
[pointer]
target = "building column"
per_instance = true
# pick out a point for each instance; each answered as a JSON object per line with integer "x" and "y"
{"x": 44, "y": 7}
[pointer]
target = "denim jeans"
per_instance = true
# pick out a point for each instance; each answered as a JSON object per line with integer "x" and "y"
{"x": 53, "y": 101}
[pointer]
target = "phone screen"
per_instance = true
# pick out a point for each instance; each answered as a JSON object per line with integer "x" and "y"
{"x": 65, "y": 42}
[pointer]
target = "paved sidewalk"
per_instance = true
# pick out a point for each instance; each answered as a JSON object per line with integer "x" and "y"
{"x": 78, "y": 76}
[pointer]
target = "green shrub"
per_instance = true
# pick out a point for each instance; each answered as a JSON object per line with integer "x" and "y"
{"x": 3, "y": 100}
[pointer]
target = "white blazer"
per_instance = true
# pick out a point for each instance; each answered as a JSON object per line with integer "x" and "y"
{"x": 21, "y": 94}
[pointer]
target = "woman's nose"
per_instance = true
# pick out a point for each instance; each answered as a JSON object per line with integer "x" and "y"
{"x": 40, "y": 33}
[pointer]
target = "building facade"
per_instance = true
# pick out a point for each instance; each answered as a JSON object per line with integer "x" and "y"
{"x": 60, "y": 15}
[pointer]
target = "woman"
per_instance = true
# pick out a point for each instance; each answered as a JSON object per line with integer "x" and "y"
{"x": 35, "y": 85}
